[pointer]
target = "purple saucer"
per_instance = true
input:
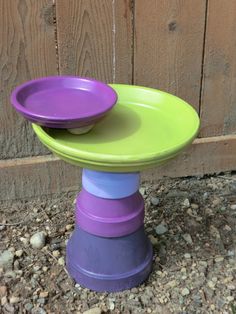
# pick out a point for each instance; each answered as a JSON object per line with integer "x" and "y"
{"x": 66, "y": 102}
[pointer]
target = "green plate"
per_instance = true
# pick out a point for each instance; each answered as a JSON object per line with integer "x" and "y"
{"x": 146, "y": 127}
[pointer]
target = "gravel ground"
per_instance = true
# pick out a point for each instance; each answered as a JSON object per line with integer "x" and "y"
{"x": 191, "y": 223}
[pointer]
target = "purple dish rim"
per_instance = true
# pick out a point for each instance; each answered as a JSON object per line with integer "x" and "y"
{"x": 48, "y": 120}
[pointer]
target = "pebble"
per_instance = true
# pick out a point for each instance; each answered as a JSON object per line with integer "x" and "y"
{"x": 142, "y": 191}
{"x": 3, "y": 300}
{"x": 230, "y": 298}
{"x": 69, "y": 227}
{"x": 6, "y": 259}
{"x": 161, "y": 229}
{"x": 3, "y": 291}
{"x": 43, "y": 294}
{"x": 18, "y": 253}
{"x": 233, "y": 207}
{"x": 38, "y": 310}
{"x": 153, "y": 240}
{"x": 56, "y": 253}
{"x": 211, "y": 284}
{"x": 187, "y": 237}
{"x": 61, "y": 261}
{"x": 28, "y": 306}
{"x": 95, "y": 310}
{"x": 38, "y": 240}
{"x": 186, "y": 203}
{"x": 155, "y": 201}
{"x": 14, "y": 299}
{"x": 185, "y": 292}
{"x": 187, "y": 255}
{"x": 219, "y": 259}
{"x": 25, "y": 241}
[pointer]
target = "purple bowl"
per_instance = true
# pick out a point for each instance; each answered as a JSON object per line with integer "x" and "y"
{"x": 109, "y": 264}
{"x": 66, "y": 102}
{"x": 109, "y": 217}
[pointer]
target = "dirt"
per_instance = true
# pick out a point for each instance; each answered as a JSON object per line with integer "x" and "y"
{"x": 194, "y": 267}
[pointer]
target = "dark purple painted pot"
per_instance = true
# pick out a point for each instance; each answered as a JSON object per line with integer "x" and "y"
{"x": 109, "y": 264}
{"x": 109, "y": 217}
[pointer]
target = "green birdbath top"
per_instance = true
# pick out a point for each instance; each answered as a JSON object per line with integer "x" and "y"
{"x": 146, "y": 128}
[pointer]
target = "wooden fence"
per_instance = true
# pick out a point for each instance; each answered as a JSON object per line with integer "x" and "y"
{"x": 186, "y": 47}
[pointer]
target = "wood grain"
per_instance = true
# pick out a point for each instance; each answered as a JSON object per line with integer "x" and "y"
{"x": 84, "y": 30}
{"x": 27, "y": 50}
{"x": 218, "y": 109}
{"x": 169, "y": 45}
{"x": 97, "y": 40}
{"x": 45, "y": 175}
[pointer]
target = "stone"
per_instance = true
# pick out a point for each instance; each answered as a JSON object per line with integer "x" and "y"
{"x": 233, "y": 207}
{"x": 28, "y": 306}
{"x": 186, "y": 203}
{"x": 14, "y": 299}
{"x": 18, "y": 253}
{"x": 187, "y": 255}
{"x": 219, "y": 259}
{"x": 161, "y": 229}
{"x": 56, "y": 253}
{"x": 38, "y": 240}
{"x": 187, "y": 237}
{"x": 94, "y": 310}
{"x": 61, "y": 261}
{"x": 3, "y": 300}
{"x": 43, "y": 294}
{"x": 185, "y": 291}
{"x": 142, "y": 191}
{"x": 69, "y": 227}
{"x": 3, "y": 291}
{"x": 230, "y": 298}
{"x": 155, "y": 201}
{"x": 6, "y": 259}
{"x": 153, "y": 240}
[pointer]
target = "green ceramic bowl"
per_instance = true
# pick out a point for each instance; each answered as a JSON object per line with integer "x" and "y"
{"x": 147, "y": 127}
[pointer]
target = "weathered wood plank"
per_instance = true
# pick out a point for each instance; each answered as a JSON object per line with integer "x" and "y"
{"x": 95, "y": 39}
{"x": 36, "y": 176}
{"x": 123, "y": 41}
{"x": 27, "y": 50}
{"x": 218, "y": 106}
{"x": 168, "y": 46}
{"x": 84, "y": 30}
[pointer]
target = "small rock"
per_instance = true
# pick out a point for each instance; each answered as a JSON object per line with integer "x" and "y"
{"x": 56, "y": 253}
{"x": 216, "y": 202}
{"x": 9, "y": 308}
{"x": 14, "y": 299}
{"x": 37, "y": 240}
{"x": 187, "y": 237}
{"x": 230, "y": 298}
{"x": 3, "y": 291}
{"x": 142, "y": 191}
{"x": 18, "y": 253}
{"x": 111, "y": 305}
{"x": 69, "y": 227}
{"x": 3, "y": 300}
{"x": 61, "y": 261}
{"x": 185, "y": 292}
{"x": 43, "y": 294}
{"x": 187, "y": 255}
{"x": 6, "y": 259}
{"x": 153, "y": 240}
{"x": 28, "y": 306}
{"x": 231, "y": 287}
{"x": 233, "y": 207}
{"x": 38, "y": 310}
{"x": 219, "y": 259}
{"x": 155, "y": 201}
{"x": 41, "y": 301}
{"x": 194, "y": 206}
{"x": 25, "y": 241}
{"x": 161, "y": 229}
{"x": 211, "y": 284}
{"x": 186, "y": 203}
{"x": 95, "y": 310}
